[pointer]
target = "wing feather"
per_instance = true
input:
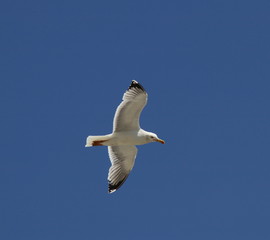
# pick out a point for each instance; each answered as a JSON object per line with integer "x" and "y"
{"x": 128, "y": 113}
{"x": 122, "y": 159}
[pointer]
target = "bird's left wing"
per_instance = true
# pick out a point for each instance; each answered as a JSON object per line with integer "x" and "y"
{"x": 122, "y": 159}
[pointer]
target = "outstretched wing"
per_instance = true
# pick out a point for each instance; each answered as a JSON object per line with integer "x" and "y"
{"x": 128, "y": 113}
{"x": 122, "y": 159}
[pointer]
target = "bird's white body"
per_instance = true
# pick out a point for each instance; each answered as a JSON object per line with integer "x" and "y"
{"x": 120, "y": 139}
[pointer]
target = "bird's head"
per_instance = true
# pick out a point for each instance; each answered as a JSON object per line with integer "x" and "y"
{"x": 154, "y": 138}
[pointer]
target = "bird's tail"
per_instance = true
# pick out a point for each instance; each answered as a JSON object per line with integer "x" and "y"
{"x": 97, "y": 140}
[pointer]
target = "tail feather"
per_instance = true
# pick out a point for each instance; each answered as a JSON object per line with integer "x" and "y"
{"x": 96, "y": 140}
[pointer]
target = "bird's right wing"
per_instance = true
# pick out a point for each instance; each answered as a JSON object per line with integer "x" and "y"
{"x": 122, "y": 159}
{"x": 128, "y": 113}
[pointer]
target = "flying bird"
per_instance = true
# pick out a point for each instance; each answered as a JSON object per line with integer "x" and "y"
{"x": 126, "y": 134}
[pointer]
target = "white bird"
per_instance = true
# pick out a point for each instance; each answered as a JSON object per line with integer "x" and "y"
{"x": 126, "y": 134}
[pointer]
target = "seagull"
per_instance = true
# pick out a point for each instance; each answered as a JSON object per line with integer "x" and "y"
{"x": 125, "y": 136}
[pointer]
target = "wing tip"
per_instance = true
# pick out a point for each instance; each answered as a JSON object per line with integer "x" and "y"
{"x": 113, "y": 187}
{"x": 111, "y": 190}
{"x": 135, "y": 84}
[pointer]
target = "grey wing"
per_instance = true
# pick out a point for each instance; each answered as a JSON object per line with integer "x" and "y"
{"x": 122, "y": 159}
{"x": 128, "y": 113}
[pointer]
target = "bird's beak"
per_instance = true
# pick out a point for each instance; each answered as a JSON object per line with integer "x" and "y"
{"x": 160, "y": 140}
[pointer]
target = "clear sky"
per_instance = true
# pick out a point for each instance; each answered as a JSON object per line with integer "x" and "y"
{"x": 64, "y": 68}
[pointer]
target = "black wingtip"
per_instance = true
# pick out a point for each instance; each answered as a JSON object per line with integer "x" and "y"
{"x": 135, "y": 84}
{"x": 113, "y": 187}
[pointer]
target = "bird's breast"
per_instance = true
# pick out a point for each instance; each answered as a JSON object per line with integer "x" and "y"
{"x": 126, "y": 138}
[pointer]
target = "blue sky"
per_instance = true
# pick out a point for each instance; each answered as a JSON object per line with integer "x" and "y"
{"x": 64, "y": 68}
